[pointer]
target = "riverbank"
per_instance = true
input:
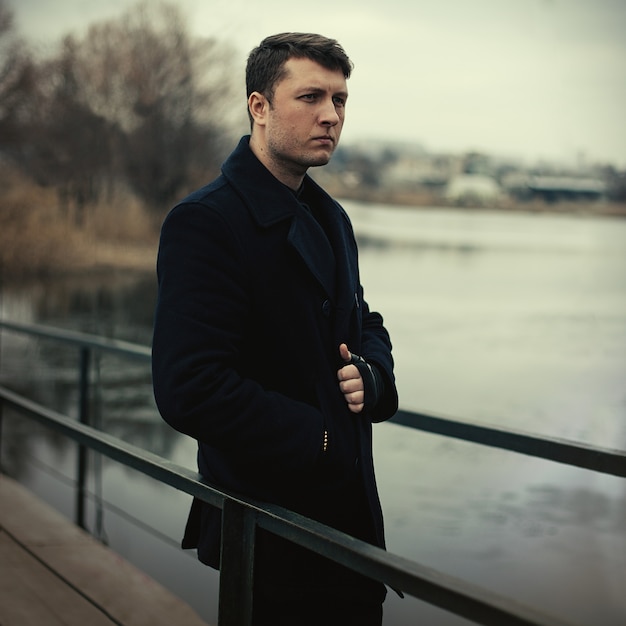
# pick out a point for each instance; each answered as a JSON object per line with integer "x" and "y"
{"x": 40, "y": 238}
{"x": 420, "y": 200}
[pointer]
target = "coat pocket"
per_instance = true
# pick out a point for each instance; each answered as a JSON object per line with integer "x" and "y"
{"x": 338, "y": 458}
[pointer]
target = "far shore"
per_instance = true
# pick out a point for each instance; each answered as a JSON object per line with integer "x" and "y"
{"x": 142, "y": 257}
{"x": 95, "y": 256}
{"x": 419, "y": 200}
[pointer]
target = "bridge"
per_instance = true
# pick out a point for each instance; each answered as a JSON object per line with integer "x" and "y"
{"x": 241, "y": 516}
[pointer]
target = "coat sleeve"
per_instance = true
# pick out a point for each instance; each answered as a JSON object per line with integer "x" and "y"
{"x": 374, "y": 342}
{"x": 202, "y": 309}
{"x": 376, "y": 349}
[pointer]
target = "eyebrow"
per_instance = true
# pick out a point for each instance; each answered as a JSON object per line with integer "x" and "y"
{"x": 343, "y": 94}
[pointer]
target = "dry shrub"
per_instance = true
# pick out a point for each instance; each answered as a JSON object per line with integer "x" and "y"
{"x": 34, "y": 236}
{"x": 123, "y": 220}
{"x": 37, "y": 237}
{"x": 120, "y": 234}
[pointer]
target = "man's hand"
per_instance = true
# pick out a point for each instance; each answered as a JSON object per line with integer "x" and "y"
{"x": 351, "y": 382}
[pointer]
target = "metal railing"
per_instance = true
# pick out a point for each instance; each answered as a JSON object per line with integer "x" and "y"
{"x": 241, "y": 516}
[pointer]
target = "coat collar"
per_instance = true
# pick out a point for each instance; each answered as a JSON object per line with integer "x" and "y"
{"x": 267, "y": 199}
{"x": 330, "y": 257}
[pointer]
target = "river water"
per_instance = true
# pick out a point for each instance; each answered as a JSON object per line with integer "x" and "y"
{"x": 514, "y": 319}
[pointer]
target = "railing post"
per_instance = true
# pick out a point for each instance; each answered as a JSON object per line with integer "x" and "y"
{"x": 1, "y": 401}
{"x": 1, "y": 429}
{"x": 83, "y": 417}
{"x": 236, "y": 565}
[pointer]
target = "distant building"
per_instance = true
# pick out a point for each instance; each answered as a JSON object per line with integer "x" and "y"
{"x": 421, "y": 172}
{"x": 472, "y": 190}
{"x": 555, "y": 188}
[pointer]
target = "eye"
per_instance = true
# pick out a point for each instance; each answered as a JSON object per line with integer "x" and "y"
{"x": 339, "y": 101}
{"x": 308, "y": 97}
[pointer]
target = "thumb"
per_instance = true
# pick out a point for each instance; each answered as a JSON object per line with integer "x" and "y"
{"x": 345, "y": 353}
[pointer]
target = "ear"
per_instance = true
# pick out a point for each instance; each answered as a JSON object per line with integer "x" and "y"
{"x": 258, "y": 106}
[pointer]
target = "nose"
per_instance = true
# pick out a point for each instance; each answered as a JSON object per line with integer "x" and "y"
{"x": 328, "y": 114}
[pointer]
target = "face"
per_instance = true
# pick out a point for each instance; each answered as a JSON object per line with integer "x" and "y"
{"x": 301, "y": 126}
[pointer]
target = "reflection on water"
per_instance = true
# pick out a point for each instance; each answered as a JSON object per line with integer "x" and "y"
{"x": 516, "y": 320}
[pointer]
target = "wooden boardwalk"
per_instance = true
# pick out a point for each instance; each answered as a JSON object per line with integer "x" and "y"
{"x": 54, "y": 574}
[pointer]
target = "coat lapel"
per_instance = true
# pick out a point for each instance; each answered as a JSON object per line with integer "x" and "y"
{"x": 343, "y": 249}
{"x": 346, "y": 275}
{"x": 333, "y": 264}
{"x": 310, "y": 242}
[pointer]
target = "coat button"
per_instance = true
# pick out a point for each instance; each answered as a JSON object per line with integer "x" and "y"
{"x": 326, "y": 308}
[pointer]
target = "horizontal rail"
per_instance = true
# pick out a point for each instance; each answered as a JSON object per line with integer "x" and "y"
{"x": 124, "y": 348}
{"x": 598, "y": 459}
{"x": 595, "y": 458}
{"x": 447, "y": 592}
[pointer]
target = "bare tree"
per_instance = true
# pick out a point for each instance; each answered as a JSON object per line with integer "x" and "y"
{"x": 16, "y": 82}
{"x": 164, "y": 90}
{"x": 137, "y": 102}
{"x": 68, "y": 146}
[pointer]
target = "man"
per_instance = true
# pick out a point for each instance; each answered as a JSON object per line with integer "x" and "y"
{"x": 259, "y": 320}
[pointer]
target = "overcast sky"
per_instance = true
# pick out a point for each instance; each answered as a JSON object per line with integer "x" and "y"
{"x": 534, "y": 79}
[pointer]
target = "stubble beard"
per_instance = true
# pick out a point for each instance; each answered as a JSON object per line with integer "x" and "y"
{"x": 296, "y": 162}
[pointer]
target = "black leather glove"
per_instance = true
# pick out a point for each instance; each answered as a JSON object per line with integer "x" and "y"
{"x": 373, "y": 385}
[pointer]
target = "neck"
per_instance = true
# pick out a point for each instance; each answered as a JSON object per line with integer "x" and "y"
{"x": 292, "y": 179}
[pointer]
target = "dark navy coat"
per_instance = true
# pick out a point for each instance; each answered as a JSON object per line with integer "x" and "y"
{"x": 254, "y": 299}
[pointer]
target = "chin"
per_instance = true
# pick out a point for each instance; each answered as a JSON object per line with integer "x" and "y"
{"x": 319, "y": 160}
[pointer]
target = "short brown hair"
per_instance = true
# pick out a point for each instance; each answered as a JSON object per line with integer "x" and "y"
{"x": 266, "y": 63}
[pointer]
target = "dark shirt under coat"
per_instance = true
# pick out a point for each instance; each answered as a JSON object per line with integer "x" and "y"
{"x": 255, "y": 297}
